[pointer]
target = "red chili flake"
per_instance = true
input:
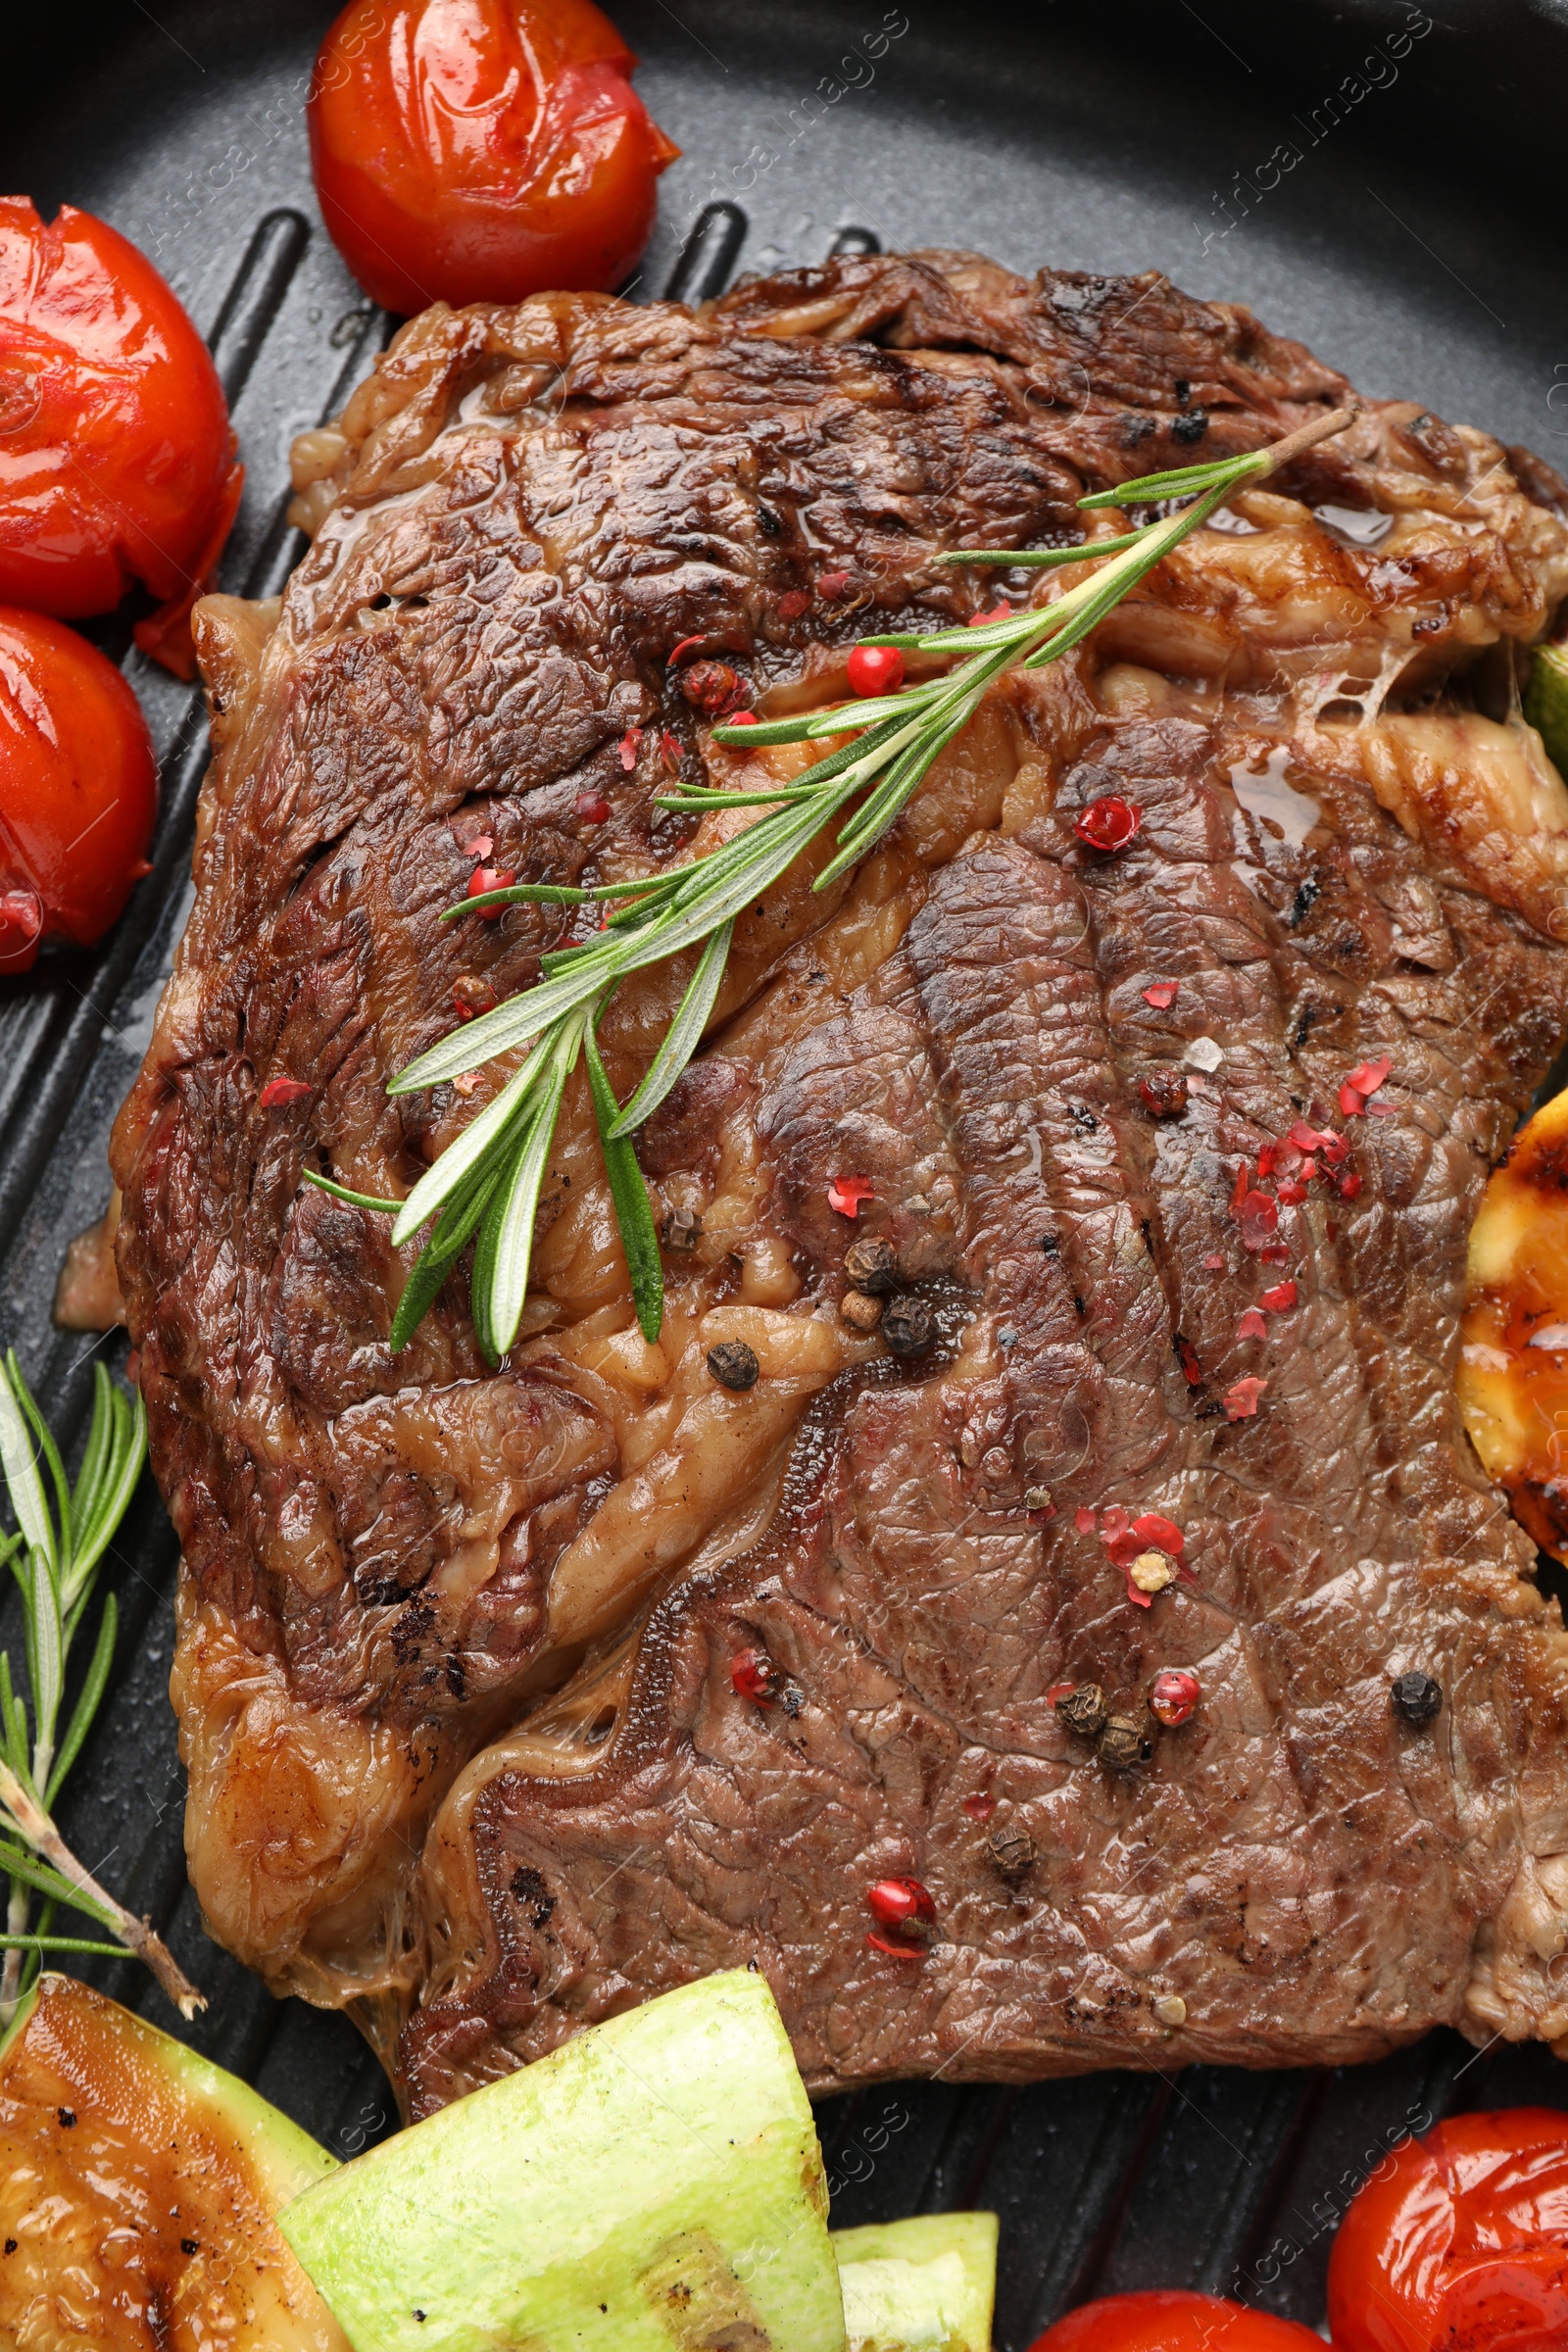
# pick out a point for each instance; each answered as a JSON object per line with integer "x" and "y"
{"x": 1293, "y": 1192}
{"x": 685, "y": 646}
{"x": 1241, "y": 1402}
{"x": 741, "y": 719}
{"x": 1152, "y": 1527}
{"x": 593, "y": 808}
{"x": 1368, "y": 1076}
{"x": 1116, "y": 1522}
{"x": 1173, "y": 1694}
{"x": 278, "y": 1091}
{"x": 630, "y": 743}
{"x": 980, "y": 1808}
{"x": 1242, "y": 1187}
{"x": 845, "y": 1192}
{"x": 479, "y": 847}
{"x": 1059, "y": 1691}
{"x": 1259, "y": 1215}
{"x": 491, "y": 877}
{"x": 901, "y": 1903}
{"x": 1213, "y": 1263}
{"x": 1275, "y": 1255}
{"x": 708, "y": 685}
{"x": 1352, "y": 1100}
{"x": 1349, "y": 1185}
{"x": 1251, "y": 1325}
{"x": 1162, "y": 996}
{"x": 875, "y": 668}
{"x": 981, "y": 620}
{"x": 1191, "y": 1370}
{"x": 793, "y": 603}
{"x": 669, "y": 752}
{"x": 1303, "y": 1137}
{"x": 1281, "y": 1299}
{"x": 1268, "y": 1159}
{"x": 1083, "y": 1520}
{"x": 1333, "y": 1147}
{"x": 1109, "y": 823}
{"x": 1380, "y": 1107}
{"x": 753, "y": 1677}
{"x": 830, "y": 585}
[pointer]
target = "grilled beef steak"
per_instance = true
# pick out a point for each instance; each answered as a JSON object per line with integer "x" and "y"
{"x": 512, "y": 1698}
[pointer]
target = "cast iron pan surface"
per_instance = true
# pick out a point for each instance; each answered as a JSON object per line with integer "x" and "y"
{"x": 1414, "y": 241}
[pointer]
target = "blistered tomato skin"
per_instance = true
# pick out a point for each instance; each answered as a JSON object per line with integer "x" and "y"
{"x": 1459, "y": 2241}
{"x": 115, "y": 455}
{"x": 481, "y": 150}
{"x": 78, "y": 789}
{"x": 1173, "y": 2319}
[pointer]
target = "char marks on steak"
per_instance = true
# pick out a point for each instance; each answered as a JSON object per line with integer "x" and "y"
{"x": 455, "y": 1654}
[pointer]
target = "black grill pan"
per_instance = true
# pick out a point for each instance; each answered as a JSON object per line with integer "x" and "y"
{"x": 1413, "y": 239}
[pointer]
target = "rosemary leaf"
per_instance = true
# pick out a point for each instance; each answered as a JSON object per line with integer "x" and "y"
{"x": 518, "y": 1202}
{"x": 449, "y": 1238}
{"x": 60, "y": 1943}
{"x": 683, "y": 1036}
{"x": 628, "y": 1191}
{"x": 482, "y": 1136}
{"x": 1031, "y": 558}
{"x": 94, "y": 1684}
{"x": 340, "y": 1191}
{"x": 19, "y": 1464}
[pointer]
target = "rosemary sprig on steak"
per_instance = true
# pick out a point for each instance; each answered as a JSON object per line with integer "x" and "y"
{"x": 485, "y": 1186}
{"x": 54, "y": 1555}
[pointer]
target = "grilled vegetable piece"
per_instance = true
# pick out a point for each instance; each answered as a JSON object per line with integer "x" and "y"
{"x": 922, "y": 2285}
{"x": 1547, "y": 702}
{"x": 655, "y": 2183}
{"x": 138, "y": 2186}
{"x": 1513, "y": 1358}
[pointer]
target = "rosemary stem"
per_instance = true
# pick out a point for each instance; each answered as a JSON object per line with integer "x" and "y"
{"x": 138, "y": 1934}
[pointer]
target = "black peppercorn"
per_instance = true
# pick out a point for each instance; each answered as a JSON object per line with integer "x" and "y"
{"x": 873, "y": 1266}
{"x": 733, "y": 1365}
{"x": 1123, "y": 1744}
{"x": 1163, "y": 1093}
{"x": 1011, "y": 1850}
{"x": 1084, "y": 1710}
{"x": 681, "y": 1230}
{"x": 1415, "y": 1698}
{"x": 908, "y": 1326}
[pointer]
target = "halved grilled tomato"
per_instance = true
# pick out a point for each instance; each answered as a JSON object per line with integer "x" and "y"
{"x": 1513, "y": 1356}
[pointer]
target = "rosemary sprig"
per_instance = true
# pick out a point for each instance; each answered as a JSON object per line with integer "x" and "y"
{"x": 54, "y": 1555}
{"x": 486, "y": 1184}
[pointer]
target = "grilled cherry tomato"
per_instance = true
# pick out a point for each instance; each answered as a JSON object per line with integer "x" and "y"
{"x": 1173, "y": 2319}
{"x": 1459, "y": 2243}
{"x": 78, "y": 788}
{"x": 116, "y": 455}
{"x": 481, "y": 150}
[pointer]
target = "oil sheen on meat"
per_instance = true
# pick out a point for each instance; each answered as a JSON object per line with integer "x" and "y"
{"x": 454, "y": 1671}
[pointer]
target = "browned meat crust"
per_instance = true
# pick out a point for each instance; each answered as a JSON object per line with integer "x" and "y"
{"x": 455, "y": 1667}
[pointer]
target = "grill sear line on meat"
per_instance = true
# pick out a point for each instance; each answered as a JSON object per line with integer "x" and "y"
{"x": 456, "y": 1670}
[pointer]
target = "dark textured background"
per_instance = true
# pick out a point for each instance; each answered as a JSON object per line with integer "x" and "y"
{"x": 1418, "y": 245}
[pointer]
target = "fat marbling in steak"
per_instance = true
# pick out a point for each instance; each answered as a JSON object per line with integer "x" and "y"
{"x": 511, "y": 1698}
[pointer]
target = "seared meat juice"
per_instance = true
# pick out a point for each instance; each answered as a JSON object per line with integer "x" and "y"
{"x": 512, "y": 1698}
